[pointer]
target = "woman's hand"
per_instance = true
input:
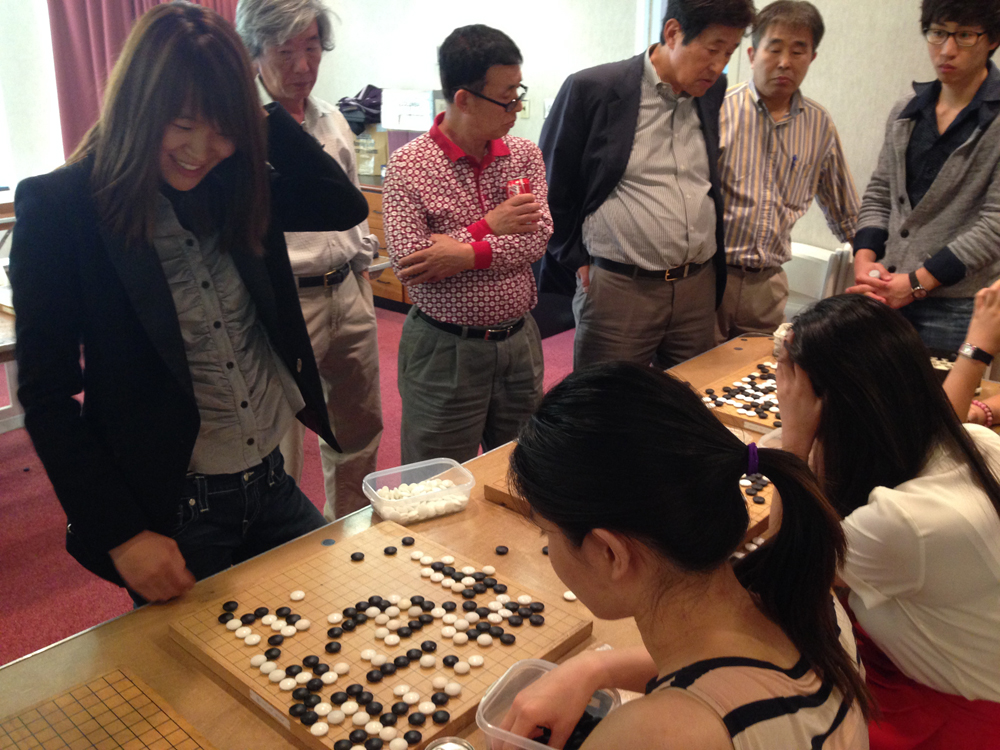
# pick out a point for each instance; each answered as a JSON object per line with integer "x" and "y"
{"x": 152, "y": 566}
{"x": 801, "y": 408}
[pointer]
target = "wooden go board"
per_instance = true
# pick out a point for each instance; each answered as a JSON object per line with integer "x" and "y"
{"x": 114, "y": 711}
{"x": 332, "y": 582}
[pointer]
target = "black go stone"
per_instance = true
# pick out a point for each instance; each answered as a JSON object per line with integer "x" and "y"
{"x": 401, "y": 662}
{"x": 482, "y": 627}
{"x": 374, "y": 743}
{"x": 390, "y": 550}
{"x": 413, "y": 625}
{"x": 524, "y": 611}
{"x": 388, "y": 719}
{"x": 479, "y": 588}
{"x": 226, "y": 617}
{"x": 351, "y": 611}
{"x": 292, "y": 619}
{"x": 428, "y": 647}
{"x": 449, "y": 606}
{"x": 507, "y": 639}
{"x": 343, "y": 744}
{"x": 358, "y": 736}
{"x": 468, "y": 606}
{"x": 348, "y": 624}
{"x": 250, "y": 619}
{"x": 514, "y": 621}
{"x": 450, "y": 660}
{"x": 293, "y": 670}
{"x": 364, "y": 698}
{"x": 483, "y": 611}
{"x": 496, "y": 631}
{"x": 458, "y": 575}
{"x": 499, "y": 589}
{"x": 360, "y": 618}
{"x": 355, "y": 690}
{"x": 405, "y": 632}
{"x": 490, "y": 581}
{"x": 759, "y": 500}
{"x": 417, "y": 719}
{"x": 310, "y": 661}
{"x": 309, "y": 718}
{"x": 283, "y": 611}
{"x": 537, "y": 607}
{"x": 231, "y": 606}
{"x": 426, "y": 605}
{"x": 751, "y": 491}
{"x": 412, "y": 737}
{"x": 384, "y": 605}
{"x": 374, "y": 675}
{"x": 339, "y": 698}
{"x": 545, "y": 550}
{"x": 440, "y": 699}
{"x": 333, "y": 647}
{"x": 400, "y": 708}
{"x": 501, "y": 550}
{"x": 440, "y": 717}
{"x": 276, "y": 640}
{"x": 478, "y": 576}
{"x": 272, "y": 653}
{"x": 300, "y": 693}
{"x": 357, "y": 556}
{"x": 414, "y": 654}
{"x": 426, "y": 619}
{"x": 334, "y": 632}
{"x": 437, "y": 566}
{"x": 315, "y": 685}
{"x": 536, "y": 620}
{"x": 388, "y": 668}
{"x": 321, "y": 669}
{"x": 416, "y": 601}
{"x": 374, "y": 708}
{"x": 468, "y": 593}
{"x": 777, "y": 423}
{"x": 374, "y": 600}
{"x": 312, "y": 701}
{"x": 260, "y": 612}
{"x": 447, "y": 570}
{"x": 297, "y": 709}
{"x": 361, "y": 606}
{"x": 407, "y": 541}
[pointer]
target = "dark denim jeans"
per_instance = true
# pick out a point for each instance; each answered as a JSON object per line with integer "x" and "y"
{"x": 225, "y": 519}
{"x": 942, "y": 322}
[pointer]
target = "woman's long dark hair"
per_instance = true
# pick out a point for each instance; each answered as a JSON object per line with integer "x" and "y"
{"x": 633, "y": 450}
{"x": 178, "y": 54}
{"x": 884, "y": 410}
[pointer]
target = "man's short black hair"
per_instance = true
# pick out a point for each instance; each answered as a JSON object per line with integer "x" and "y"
{"x": 694, "y": 16}
{"x": 468, "y": 52}
{"x": 985, "y": 13}
{"x": 794, "y": 13}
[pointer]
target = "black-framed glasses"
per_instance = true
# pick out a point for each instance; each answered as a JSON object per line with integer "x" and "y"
{"x": 962, "y": 38}
{"x": 509, "y": 106}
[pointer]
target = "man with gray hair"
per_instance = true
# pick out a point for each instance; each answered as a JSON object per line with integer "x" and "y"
{"x": 286, "y": 40}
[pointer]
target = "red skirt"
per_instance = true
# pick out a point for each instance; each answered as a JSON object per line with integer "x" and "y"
{"x": 914, "y": 716}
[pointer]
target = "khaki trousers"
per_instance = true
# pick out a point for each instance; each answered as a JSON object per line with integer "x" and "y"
{"x": 753, "y": 303}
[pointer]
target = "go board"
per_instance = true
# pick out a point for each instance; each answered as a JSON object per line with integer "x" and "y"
{"x": 332, "y": 582}
{"x": 114, "y": 711}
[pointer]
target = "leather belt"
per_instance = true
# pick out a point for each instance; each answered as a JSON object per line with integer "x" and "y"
{"x": 634, "y": 272}
{"x": 747, "y": 269}
{"x": 472, "y": 332}
{"x": 331, "y": 278}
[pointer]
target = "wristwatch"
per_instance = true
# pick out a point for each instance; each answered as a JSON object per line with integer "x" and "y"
{"x": 974, "y": 352}
{"x": 916, "y": 288}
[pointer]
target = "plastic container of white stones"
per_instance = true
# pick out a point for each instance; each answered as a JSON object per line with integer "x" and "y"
{"x": 500, "y": 697}
{"x": 418, "y": 491}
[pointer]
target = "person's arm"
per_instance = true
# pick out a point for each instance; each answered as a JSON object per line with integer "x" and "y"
{"x": 310, "y": 192}
{"x": 836, "y": 193}
{"x": 966, "y": 374}
{"x": 84, "y": 473}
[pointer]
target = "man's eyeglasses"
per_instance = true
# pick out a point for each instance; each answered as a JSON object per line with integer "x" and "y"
{"x": 962, "y": 38}
{"x": 508, "y": 106}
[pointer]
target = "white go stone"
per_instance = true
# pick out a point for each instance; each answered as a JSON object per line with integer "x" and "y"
{"x": 243, "y": 632}
{"x": 404, "y": 604}
{"x": 448, "y": 559}
{"x": 484, "y": 640}
{"x": 476, "y": 660}
{"x": 360, "y": 719}
{"x": 387, "y": 733}
{"x": 416, "y": 554}
{"x": 524, "y": 599}
{"x": 332, "y": 619}
{"x": 392, "y": 612}
{"x": 462, "y": 667}
{"x": 297, "y": 596}
{"x": 252, "y": 640}
{"x": 256, "y": 661}
{"x": 437, "y": 613}
{"x": 398, "y": 744}
{"x": 336, "y": 716}
{"x": 401, "y": 689}
{"x": 489, "y": 570}
{"x": 494, "y": 618}
{"x": 449, "y": 619}
{"x": 458, "y": 587}
{"x": 505, "y": 613}
{"x": 414, "y": 611}
{"x": 452, "y": 689}
{"x": 276, "y": 675}
{"x": 460, "y": 639}
{"x": 349, "y": 708}
{"x": 303, "y": 624}
{"x": 427, "y": 661}
{"x": 392, "y": 640}
{"x": 426, "y": 560}
{"x": 411, "y": 698}
{"x": 373, "y": 728}
{"x": 303, "y": 677}
{"x": 494, "y": 606}
{"x": 394, "y": 625}
{"x": 288, "y": 631}
{"x": 437, "y": 577}
{"x": 427, "y": 707}
{"x": 381, "y": 633}
{"x": 569, "y": 596}
{"x": 503, "y": 598}
{"x": 471, "y": 617}
{"x": 468, "y": 570}
{"x": 373, "y": 612}
{"x": 266, "y": 667}
{"x": 446, "y": 582}
{"x": 319, "y": 729}
{"x": 368, "y": 653}
{"x": 382, "y": 619}
{"x": 426, "y": 572}
{"x": 234, "y": 624}
{"x": 322, "y": 709}
{"x": 468, "y": 581}
{"x": 745, "y": 483}
{"x": 379, "y": 659}
{"x": 268, "y": 619}
{"x": 438, "y": 683}
{"x": 277, "y": 625}
{"x": 329, "y": 678}
{"x": 341, "y": 667}
{"x": 448, "y": 632}
{"x": 394, "y": 598}
{"x": 288, "y": 683}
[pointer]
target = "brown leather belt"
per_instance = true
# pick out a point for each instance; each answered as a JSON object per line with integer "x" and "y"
{"x": 634, "y": 272}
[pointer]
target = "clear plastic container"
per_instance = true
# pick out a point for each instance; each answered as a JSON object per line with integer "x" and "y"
{"x": 419, "y": 507}
{"x": 500, "y": 697}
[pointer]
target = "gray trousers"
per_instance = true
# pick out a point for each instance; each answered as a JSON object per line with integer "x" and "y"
{"x": 646, "y": 321}
{"x": 753, "y": 303}
{"x": 460, "y": 393}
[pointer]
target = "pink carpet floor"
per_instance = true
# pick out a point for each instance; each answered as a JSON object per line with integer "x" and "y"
{"x": 46, "y": 596}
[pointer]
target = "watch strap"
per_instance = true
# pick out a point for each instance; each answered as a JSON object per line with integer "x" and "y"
{"x": 971, "y": 351}
{"x": 916, "y": 287}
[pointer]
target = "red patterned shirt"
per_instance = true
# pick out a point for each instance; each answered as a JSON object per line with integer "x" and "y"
{"x": 433, "y": 187}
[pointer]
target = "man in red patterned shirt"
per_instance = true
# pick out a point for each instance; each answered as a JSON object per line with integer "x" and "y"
{"x": 470, "y": 356}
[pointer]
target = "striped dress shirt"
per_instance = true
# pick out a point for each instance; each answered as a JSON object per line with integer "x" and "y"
{"x": 772, "y": 171}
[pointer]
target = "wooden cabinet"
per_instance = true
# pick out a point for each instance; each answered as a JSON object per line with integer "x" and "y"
{"x": 386, "y": 286}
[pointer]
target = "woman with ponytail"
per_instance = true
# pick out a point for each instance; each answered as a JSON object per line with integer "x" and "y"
{"x": 637, "y": 486}
{"x": 921, "y": 505}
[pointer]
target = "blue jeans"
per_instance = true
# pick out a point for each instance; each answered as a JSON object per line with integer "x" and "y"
{"x": 942, "y": 322}
{"x": 224, "y": 519}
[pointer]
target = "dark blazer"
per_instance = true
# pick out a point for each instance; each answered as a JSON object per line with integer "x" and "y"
{"x": 586, "y": 142}
{"x": 118, "y": 463}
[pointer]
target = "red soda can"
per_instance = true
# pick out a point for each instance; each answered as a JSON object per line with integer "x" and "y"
{"x": 518, "y": 187}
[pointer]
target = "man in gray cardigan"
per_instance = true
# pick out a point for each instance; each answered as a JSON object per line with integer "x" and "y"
{"x": 929, "y": 229}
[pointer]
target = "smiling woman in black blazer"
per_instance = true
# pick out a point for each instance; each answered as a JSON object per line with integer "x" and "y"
{"x": 158, "y": 252}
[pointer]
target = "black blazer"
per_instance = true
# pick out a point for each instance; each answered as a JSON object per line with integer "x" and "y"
{"x": 586, "y": 142}
{"x": 118, "y": 463}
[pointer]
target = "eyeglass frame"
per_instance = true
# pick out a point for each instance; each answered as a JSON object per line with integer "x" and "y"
{"x": 509, "y": 106}
{"x": 950, "y": 34}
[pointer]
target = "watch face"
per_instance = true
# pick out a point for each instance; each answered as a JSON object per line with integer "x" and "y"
{"x": 966, "y": 350}
{"x": 919, "y": 293}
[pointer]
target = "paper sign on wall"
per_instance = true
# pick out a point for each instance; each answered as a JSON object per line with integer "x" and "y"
{"x": 404, "y": 109}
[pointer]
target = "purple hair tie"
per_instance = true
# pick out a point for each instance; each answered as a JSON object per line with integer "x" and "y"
{"x": 753, "y": 463}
